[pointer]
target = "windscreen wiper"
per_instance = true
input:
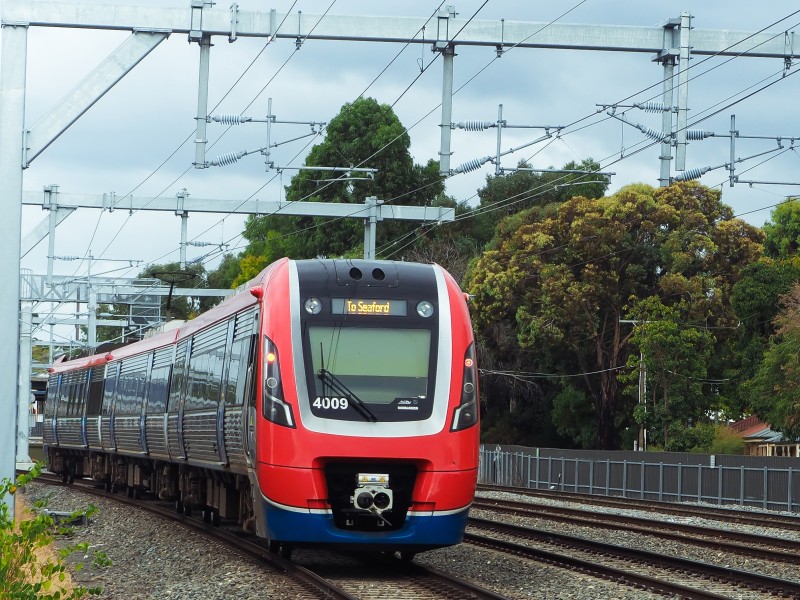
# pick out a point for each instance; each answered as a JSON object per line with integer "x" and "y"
{"x": 340, "y": 388}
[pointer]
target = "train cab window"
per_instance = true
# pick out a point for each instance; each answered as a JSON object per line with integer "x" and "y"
{"x": 377, "y": 373}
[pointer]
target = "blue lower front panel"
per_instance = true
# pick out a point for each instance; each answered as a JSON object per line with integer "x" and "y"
{"x": 315, "y": 528}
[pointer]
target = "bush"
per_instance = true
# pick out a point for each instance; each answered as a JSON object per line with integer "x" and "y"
{"x": 726, "y": 441}
{"x": 24, "y": 574}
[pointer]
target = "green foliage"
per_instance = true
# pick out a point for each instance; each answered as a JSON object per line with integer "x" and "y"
{"x": 363, "y": 134}
{"x": 783, "y": 233}
{"x": 23, "y": 574}
{"x": 551, "y": 290}
{"x": 676, "y": 361}
{"x": 574, "y": 417}
{"x": 726, "y": 441}
{"x": 775, "y": 389}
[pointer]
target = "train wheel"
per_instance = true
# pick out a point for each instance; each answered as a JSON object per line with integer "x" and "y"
{"x": 187, "y": 509}
{"x": 178, "y": 507}
{"x": 286, "y": 552}
{"x": 207, "y": 515}
{"x": 70, "y": 478}
{"x": 107, "y": 485}
{"x": 215, "y": 519}
{"x": 63, "y": 477}
{"x": 273, "y": 546}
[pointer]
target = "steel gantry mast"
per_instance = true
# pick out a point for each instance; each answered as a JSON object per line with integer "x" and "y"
{"x": 150, "y": 26}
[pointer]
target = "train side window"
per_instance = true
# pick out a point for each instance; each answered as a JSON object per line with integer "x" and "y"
{"x": 157, "y": 396}
{"x": 109, "y": 388}
{"x": 233, "y": 393}
{"x": 95, "y": 400}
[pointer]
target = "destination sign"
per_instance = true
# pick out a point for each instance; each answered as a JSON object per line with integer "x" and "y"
{"x": 368, "y": 306}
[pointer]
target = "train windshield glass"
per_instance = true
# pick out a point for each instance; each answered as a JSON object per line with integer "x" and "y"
{"x": 370, "y": 373}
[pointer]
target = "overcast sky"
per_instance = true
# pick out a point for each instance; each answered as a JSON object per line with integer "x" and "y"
{"x": 120, "y": 144}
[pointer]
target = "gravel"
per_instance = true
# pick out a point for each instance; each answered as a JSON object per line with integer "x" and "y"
{"x": 163, "y": 560}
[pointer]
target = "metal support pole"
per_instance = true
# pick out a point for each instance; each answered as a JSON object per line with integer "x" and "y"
{"x": 732, "y": 165}
{"x": 184, "y": 227}
{"x": 12, "y": 125}
{"x": 447, "y": 110}
{"x": 268, "y": 163}
{"x": 666, "y": 122}
{"x": 91, "y": 303}
{"x": 51, "y": 195}
{"x": 24, "y": 384}
{"x": 202, "y": 104}
{"x": 370, "y": 226}
{"x": 499, "y": 138}
{"x": 683, "y": 92}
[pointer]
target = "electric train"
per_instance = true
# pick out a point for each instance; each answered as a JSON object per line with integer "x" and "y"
{"x": 328, "y": 402}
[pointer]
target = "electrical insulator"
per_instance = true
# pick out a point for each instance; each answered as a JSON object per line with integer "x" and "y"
{"x": 228, "y": 119}
{"x": 692, "y": 174}
{"x": 475, "y": 125}
{"x": 227, "y": 159}
{"x": 651, "y": 106}
{"x": 698, "y": 134}
{"x": 652, "y": 133}
{"x": 472, "y": 165}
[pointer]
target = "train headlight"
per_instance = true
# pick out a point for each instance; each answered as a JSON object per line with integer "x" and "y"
{"x": 313, "y": 306}
{"x": 382, "y": 500}
{"x": 372, "y": 493}
{"x": 364, "y": 500}
{"x": 466, "y": 413}
{"x": 424, "y": 309}
{"x": 274, "y": 408}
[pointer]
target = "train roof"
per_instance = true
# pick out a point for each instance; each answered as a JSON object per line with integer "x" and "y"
{"x": 240, "y": 300}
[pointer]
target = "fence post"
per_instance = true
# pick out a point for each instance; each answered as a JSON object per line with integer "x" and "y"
{"x": 719, "y": 485}
{"x": 624, "y": 478}
{"x": 577, "y": 474}
{"x": 561, "y": 475}
{"x": 608, "y": 477}
{"x": 789, "y": 500}
{"x": 766, "y": 487}
{"x": 641, "y": 483}
{"x": 549, "y": 471}
{"x": 741, "y": 486}
{"x": 661, "y": 481}
{"x": 699, "y": 483}
{"x": 591, "y": 477}
{"x": 680, "y": 481}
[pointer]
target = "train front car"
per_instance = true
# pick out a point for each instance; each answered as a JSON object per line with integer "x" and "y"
{"x": 370, "y": 399}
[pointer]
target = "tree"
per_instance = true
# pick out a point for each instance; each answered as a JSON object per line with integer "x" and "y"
{"x": 776, "y": 387}
{"x": 551, "y": 294}
{"x": 192, "y": 276}
{"x": 783, "y": 233}
{"x": 676, "y": 360}
{"x": 364, "y": 134}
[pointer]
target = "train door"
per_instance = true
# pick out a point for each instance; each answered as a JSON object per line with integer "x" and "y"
{"x": 94, "y": 405}
{"x": 177, "y": 395}
{"x": 49, "y": 437}
{"x": 107, "y": 410}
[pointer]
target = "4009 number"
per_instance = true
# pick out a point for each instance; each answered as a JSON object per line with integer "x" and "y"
{"x": 334, "y": 403}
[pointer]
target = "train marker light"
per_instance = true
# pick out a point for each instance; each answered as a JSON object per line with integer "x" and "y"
{"x": 424, "y": 309}
{"x": 313, "y": 306}
{"x": 271, "y": 357}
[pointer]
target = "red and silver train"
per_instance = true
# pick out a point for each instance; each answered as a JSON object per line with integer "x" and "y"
{"x": 330, "y": 402}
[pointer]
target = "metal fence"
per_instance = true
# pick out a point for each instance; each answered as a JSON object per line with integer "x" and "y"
{"x": 669, "y": 477}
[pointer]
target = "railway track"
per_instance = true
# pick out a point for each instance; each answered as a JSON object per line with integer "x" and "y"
{"x": 727, "y": 515}
{"x": 664, "y": 574}
{"x": 770, "y": 548}
{"x": 314, "y": 574}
